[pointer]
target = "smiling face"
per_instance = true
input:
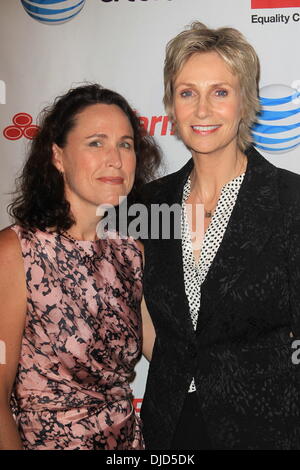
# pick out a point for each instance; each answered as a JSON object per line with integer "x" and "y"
{"x": 207, "y": 106}
{"x": 98, "y": 160}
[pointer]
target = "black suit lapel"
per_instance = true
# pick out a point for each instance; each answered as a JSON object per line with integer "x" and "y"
{"x": 249, "y": 227}
{"x": 176, "y": 256}
{"x": 169, "y": 191}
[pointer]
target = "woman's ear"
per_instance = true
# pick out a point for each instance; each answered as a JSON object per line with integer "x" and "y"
{"x": 57, "y": 158}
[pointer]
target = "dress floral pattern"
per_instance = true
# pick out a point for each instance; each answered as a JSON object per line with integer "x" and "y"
{"x": 81, "y": 341}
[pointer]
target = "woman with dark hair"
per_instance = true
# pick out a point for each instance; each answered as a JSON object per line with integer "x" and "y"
{"x": 70, "y": 302}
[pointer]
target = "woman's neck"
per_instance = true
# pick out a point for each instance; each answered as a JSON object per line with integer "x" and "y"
{"x": 86, "y": 216}
{"x": 85, "y": 227}
{"x": 83, "y": 233}
{"x": 212, "y": 171}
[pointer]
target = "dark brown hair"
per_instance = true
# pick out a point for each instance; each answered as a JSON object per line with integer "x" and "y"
{"x": 40, "y": 196}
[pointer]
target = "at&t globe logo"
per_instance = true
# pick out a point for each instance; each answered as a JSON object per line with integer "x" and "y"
{"x": 278, "y": 127}
{"x": 53, "y": 11}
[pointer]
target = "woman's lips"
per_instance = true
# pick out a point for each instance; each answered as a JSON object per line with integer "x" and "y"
{"x": 204, "y": 130}
{"x": 111, "y": 179}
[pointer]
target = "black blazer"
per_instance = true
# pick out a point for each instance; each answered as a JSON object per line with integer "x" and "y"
{"x": 241, "y": 352}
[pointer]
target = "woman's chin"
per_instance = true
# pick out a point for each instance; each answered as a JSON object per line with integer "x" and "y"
{"x": 110, "y": 202}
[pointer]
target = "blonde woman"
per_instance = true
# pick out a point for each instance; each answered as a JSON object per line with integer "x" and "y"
{"x": 225, "y": 313}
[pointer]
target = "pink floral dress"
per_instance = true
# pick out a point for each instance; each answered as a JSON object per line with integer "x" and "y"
{"x": 81, "y": 341}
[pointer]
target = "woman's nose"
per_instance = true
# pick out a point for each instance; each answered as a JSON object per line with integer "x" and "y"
{"x": 202, "y": 107}
{"x": 113, "y": 158}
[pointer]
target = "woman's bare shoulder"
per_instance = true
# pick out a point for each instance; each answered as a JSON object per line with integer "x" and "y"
{"x": 10, "y": 249}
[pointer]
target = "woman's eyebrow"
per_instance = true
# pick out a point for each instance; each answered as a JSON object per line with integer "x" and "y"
{"x": 104, "y": 136}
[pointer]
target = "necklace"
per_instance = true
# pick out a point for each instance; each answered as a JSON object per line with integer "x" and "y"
{"x": 89, "y": 260}
{"x": 209, "y": 213}
{"x": 67, "y": 235}
{"x": 79, "y": 248}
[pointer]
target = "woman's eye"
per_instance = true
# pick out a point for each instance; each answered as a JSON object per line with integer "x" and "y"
{"x": 126, "y": 145}
{"x": 222, "y": 93}
{"x": 95, "y": 143}
{"x": 186, "y": 93}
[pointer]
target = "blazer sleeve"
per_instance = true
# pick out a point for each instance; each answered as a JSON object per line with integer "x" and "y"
{"x": 294, "y": 265}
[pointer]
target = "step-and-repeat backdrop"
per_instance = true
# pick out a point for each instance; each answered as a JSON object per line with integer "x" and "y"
{"x": 48, "y": 46}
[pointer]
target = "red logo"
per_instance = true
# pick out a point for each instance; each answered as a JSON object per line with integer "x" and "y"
{"x": 157, "y": 125}
{"x": 275, "y": 3}
{"x": 137, "y": 404}
{"x": 22, "y": 128}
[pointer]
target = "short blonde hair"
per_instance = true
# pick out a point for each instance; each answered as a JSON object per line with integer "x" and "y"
{"x": 236, "y": 52}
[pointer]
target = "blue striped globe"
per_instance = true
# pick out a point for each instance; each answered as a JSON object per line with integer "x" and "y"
{"x": 278, "y": 127}
{"x": 53, "y": 11}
